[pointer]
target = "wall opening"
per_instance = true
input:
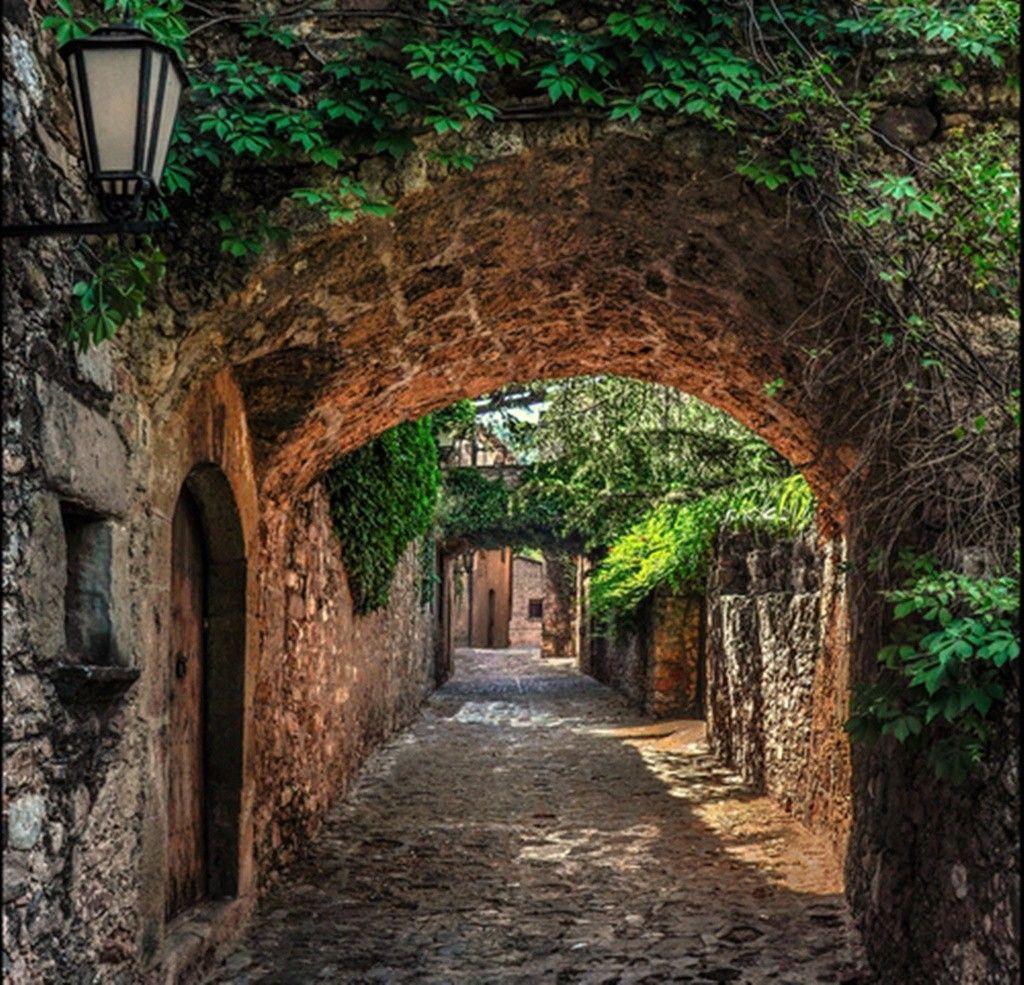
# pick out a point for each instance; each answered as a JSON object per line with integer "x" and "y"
{"x": 87, "y": 628}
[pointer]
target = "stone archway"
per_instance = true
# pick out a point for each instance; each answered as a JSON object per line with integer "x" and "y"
{"x": 644, "y": 258}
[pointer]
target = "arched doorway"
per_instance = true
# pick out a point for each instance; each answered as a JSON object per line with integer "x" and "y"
{"x": 206, "y": 673}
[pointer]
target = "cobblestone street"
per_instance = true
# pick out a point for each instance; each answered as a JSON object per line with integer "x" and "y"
{"x": 530, "y": 828}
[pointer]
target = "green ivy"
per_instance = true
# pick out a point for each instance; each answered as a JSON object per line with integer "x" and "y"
{"x": 320, "y": 105}
{"x": 956, "y": 638}
{"x": 474, "y": 506}
{"x": 114, "y": 293}
{"x": 487, "y": 513}
{"x": 383, "y": 497}
{"x": 671, "y": 545}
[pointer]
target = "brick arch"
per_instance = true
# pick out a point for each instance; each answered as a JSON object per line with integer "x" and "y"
{"x": 645, "y": 258}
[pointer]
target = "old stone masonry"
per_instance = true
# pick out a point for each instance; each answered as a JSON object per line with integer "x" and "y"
{"x": 531, "y": 827}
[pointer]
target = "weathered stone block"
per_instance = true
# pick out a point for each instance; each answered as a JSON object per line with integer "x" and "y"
{"x": 83, "y": 456}
{"x": 907, "y": 126}
{"x": 25, "y": 821}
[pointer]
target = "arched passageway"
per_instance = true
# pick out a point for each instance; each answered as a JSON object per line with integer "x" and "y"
{"x": 646, "y": 259}
{"x": 643, "y": 258}
{"x": 580, "y": 247}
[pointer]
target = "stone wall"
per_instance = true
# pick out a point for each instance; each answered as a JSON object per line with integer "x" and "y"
{"x": 935, "y": 863}
{"x": 85, "y": 778}
{"x": 85, "y": 775}
{"x": 332, "y": 685}
{"x": 764, "y": 640}
{"x": 656, "y": 661}
{"x": 618, "y": 657}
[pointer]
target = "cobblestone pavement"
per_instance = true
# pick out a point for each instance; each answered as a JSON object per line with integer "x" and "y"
{"x": 530, "y": 827}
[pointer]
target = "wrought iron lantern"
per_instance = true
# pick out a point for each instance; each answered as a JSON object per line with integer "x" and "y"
{"x": 126, "y": 88}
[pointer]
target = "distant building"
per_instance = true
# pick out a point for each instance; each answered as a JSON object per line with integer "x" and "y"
{"x": 526, "y": 618}
{"x": 495, "y": 596}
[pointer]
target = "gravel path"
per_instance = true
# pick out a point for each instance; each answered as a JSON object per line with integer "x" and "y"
{"x": 530, "y": 827}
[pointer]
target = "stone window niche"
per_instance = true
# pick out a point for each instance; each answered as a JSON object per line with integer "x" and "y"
{"x": 87, "y": 589}
{"x": 90, "y": 672}
{"x": 535, "y": 609}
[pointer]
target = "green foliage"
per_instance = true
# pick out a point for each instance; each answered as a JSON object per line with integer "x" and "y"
{"x": 383, "y": 497}
{"x": 975, "y": 31}
{"x": 161, "y": 18}
{"x": 672, "y": 543}
{"x": 247, "y": 235}
{"x": 343, "y": 201}
{"x": 455, "y": 421}
{"x": 473, "y": 505}
{"x": 956, "y": 638}
{"x": 429, "y": 578}
{"x": 607, "y": 449}
{"x": 114, "y": 293}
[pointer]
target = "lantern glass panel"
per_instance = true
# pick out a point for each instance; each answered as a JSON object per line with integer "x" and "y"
{"x": 168, "y": 111}
{"x": 112, "y": 80}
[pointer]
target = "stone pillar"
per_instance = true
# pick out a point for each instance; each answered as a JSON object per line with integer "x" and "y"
{"x": 558, "y": 633}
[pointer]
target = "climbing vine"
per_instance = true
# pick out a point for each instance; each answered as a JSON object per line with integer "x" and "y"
{"x": 115, "y": 292}
{"x": 383, "y": 497}
{"x": 956, "y": 640}
{"x": 671, "y": 545}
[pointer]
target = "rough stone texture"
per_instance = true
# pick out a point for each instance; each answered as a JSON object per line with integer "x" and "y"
{"x": 618, "y": 657}
{"x": 937, "y": 864}
{"x": 644, "y": 257}
{"x": 676, "y": 655}
{"x": 333, "y": 685}
{"x": 84, "y": 786}
{"x": 527, "y": 584}
{"x": 657, "y": 660}
{"x": 765, "y": 654}
{"x": 532, "y": 828}
{"x": 907, "y": 126}
{"x": 83, "y": 456}
{"x": 558, "y": 625}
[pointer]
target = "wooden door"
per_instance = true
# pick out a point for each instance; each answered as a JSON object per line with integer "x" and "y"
{"x": 186, "y": 841}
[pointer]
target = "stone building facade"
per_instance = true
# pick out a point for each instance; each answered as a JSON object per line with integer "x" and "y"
{"x": 525, "y": 624}
{"x": 482, "y": 604}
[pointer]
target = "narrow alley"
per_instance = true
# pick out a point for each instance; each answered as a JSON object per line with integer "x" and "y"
{"x": 530, "y": 827}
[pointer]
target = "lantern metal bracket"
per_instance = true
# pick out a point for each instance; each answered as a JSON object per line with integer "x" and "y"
{"x": 123, "y": 227}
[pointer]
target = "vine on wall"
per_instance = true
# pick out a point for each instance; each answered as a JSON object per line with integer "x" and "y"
{"x": 956, "y": 643}
{"x": 383, "y": 497}
{"x": 671, "y": 545}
